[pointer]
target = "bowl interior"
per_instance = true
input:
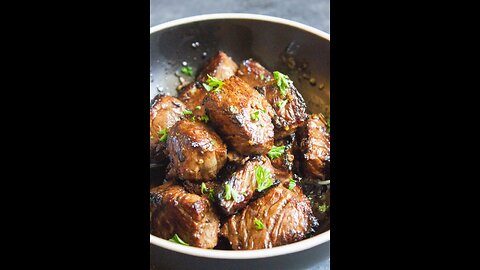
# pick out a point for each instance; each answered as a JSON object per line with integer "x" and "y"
{"x": 242, "y": 38}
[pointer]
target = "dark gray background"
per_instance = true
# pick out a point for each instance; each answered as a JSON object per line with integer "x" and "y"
{"x": 314, "y": 13}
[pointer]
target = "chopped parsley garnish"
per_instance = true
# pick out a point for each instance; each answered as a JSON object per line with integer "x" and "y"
{"x": 213, "y": 142}
{"x": 323, "y": 208}
{"x": 176, "y": 239}
{"x": 258, "y": 224}
{"x": 186, "y": 112}
{"x": 198, "y": 107}
{"x": 263, "y": 177}
{"x": 213, "y": 83}
{"x": 187, "y": 71}
{"x": 163, "y": 134}
{"x": 211, "y": 192}
{"x": 262, "y": 77}
{"x": 256, "y": 115}
{"x": 283, "y": 82}
{"x": 276, "y": 151}
{"x": 211, "y": 195}
{"x": 230, "y": 193}
{"x": 204, "y": 118}
{"x": 291, "y": 184}
{"x": 282, "y": 103}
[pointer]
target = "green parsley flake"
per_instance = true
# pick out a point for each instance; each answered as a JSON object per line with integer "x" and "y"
{"x": 256, "y": 115}
{"x": 187, "y": 71}
{"x": 282, "y": 103}
{"x": 213, "y": 83}
{"x": 276, "y": 151}
{"x": 258, "y": 224}
{"x": 204, "y": 188}
{"x": 198, "y": 107}
{"x": 263, "y": 177}
{"x": 323, "y": 208}
{"x": 291, "y": 184}
{"x": 283, "y": 82}
{"x": 230, "y": 193}
{"x": 176, "y": 239}
{"x": 262, "y": 77}
{"x": 211, "y": 195}
{"x": 204, "y": 118}
{"x": 186, "y": 112}
{"x": 163, "y": 134}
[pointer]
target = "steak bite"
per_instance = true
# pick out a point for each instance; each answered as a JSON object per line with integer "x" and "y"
{"x": 191, "y": 217}
{"x": 253, "y": 73}
{"x": 288, "y": 103}
{"x": 243, "y": 183}
{"x": 242, "y": 116}
{"x": 315, "y": 147}
{"x": 280, "y": 217}
{"x": 290, "y": 108}
{"x": 164, "y": 113}
{"x": 220, "y": 66}
{"x": 192, "y": 96}
{"x": 196, "y": 152}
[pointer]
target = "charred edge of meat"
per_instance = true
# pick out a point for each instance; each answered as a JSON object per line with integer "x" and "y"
{"x": 154, "y": 101}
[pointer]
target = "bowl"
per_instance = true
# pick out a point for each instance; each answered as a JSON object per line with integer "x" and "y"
{"x": 300, "y": 51}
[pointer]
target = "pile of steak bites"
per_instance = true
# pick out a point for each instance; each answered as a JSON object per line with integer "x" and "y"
{"x": 245, "y": 163}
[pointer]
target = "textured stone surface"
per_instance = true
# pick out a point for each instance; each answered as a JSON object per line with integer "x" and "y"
{"x": 313, "y": 13}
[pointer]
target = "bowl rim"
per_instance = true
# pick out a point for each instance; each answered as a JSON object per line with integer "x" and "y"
{"x": 241, "y": 254}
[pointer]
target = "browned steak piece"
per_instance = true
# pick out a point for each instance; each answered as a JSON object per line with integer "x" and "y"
{"x": 242, "y": 116}
{"x": 253, "y": 73}
{"x": 165, "y": 112}
{"x": 192, "y": 96}
{"x": 220, "y": 66}
{"x": 286, "y": 217}
{"x": 290, "y": 108}
{"x": 243, "y": 184}
{"x": 314, "y": 141}
{"x": 191, "y": 217}
{"x": 196, "y": 152}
